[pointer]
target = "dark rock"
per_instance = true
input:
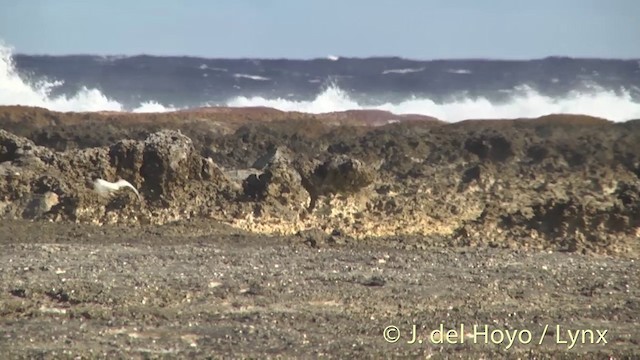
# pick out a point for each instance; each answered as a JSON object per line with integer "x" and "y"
{"x": 314, "y": 238}
{"x": 40, "y": 205}
{"x": 471, "y": 174}
{"x": 126, "y": 156}
{"x": 374, "y": 281}
{"x": 490, "y": 147}
{"x": 559, "y": 182}
{"x": 279, "y": 155}
{"x": 169, "y": 160}
{"x": 279, "y": 189}
{"x": 341, "y": 174}
{"x": 13, "y": 147}
{"x": 537, "y": 153}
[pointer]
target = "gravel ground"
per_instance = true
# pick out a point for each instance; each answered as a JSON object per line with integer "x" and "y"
{"x": 202, "y": 290}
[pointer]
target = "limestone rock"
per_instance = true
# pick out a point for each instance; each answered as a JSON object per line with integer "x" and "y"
{"x": 278, "y": 190}
{"x": 169, "y": 160}
{"x": 552, "y": 184}
{"x": 276, "y": 155}
{"x": 340, "y": 174}
{"x": 494, "y": 147}
{"x": 126, "y": 158}
{"x": 15, "y": 148}
{"x": 40, "y": 205}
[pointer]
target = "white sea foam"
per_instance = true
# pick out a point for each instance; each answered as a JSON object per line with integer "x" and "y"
{"x": 401, "y": 71}
{"x": 251, "y": 77}
{"x": 153, "y": 106}
{"x": 459, "y": 71}
{"x": 110, "y": 58}
{"x": 16, "y": 90}
{"x": 332, "y": 99}
{"x": 206, "y": 67}
{"x": 524, "y": 102}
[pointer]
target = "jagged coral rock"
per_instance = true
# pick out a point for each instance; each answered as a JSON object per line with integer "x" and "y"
{"x": 547, "y": 183}
{"x": 277, "y": 190}
{"x": 340, "y": 174}
{"x": 169, "y": 161}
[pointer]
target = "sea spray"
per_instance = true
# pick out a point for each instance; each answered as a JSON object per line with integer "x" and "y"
{"x": 21, "y": 88}
{"x": 523, "y": 102}
{"x": 17, "y": 89}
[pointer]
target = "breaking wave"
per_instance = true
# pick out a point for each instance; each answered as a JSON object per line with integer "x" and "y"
{"x": 16, "y": 90}
{"x": 524, "y": 102}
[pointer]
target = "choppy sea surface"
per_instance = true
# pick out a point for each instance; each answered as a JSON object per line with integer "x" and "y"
{"x": 450, "y": 90}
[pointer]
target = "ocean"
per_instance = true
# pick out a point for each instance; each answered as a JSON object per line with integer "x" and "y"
{"x": 450, "y": 90}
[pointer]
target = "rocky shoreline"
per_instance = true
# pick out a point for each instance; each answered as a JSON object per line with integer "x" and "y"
{"x": 561, "y": 182}
{"x": 263, "y": 234}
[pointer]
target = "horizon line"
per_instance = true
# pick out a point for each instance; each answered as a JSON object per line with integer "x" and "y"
{"x": 331, "y": 57}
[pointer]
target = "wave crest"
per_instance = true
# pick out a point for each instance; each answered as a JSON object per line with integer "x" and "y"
{"x": 15, "y": 90}
{"x": 524, "y": 102}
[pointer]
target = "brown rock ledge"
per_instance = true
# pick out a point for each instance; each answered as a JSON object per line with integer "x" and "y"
{"x": 564, "y": 182}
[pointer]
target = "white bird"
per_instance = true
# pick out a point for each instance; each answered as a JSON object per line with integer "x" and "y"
{"x": 104, "y": 187}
